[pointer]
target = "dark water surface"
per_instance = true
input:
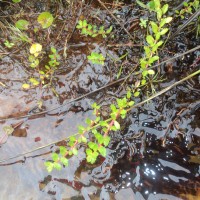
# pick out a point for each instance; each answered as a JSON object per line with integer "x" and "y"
{"x": 155, "y": 156}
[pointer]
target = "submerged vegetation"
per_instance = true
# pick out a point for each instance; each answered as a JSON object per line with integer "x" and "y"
{"x": 44, "y": 60}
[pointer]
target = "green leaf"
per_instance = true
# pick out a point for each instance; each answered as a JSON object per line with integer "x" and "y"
{"x": 45, "y": 19}
{"x": 123, "y": 114}
{"x": 131, "y": 103}
{"x": 144, "y": 73}
{"x": 97, "y": 119}
{"x": 136, "y": 94}
{"x": 154, "y": 27}
{"x": 63, "y": 150}
{"x": 55, "y": 157}
{"x": 106, "y": 140}
{"x": 64, "y": 161}
{"x": 96, "y": 58}
{"x": 185, "y": 4}
{"x": 49, "y": 166}
{"x": 75, "y": 151}
{"x": 8, "y": 44}
{"x": 154, "y": 49}
{"x": 102, "y": 151}
{"x": 84, "y": 139}
{"x": 117, "y": 125}
{"x": 153, "y": 59}
{"x": 157, "y": 4}
{"x": 85, "y": 23}
{"x": 147, "y": 52}
{"x": 159, "y": 14}
{"x": 159, "y": 44}
{"x": 88, "y": 121}
{"x": 34, "y": 81}
{"x": 165, "y": 8}
{"x": 99, "y": 138}
{"x": 103, "y": 123}
{"x": 157, "y": 36}
{"x": 92, "y": 157}
{"x": 88, "y": 151}
{"x": 109, "y": 30}
{"x": 113, "y": 108}
{"x": 53, "y": 50}
{"x": 168, "y": 19}
{"x": 164, "y": 31}
{"x": 81, "y": 129}
{"x": 22, "y": 24}
{"x": 150, "y": 39}
{"x": 141, "y": 4}
{"x": 143, "y": 82}
{"x": 57, "y": 166}
{"x": 72, "y": 139}
{"x": 151, "y": 5}
{"x": 143, "y": 63}
{"x": 93, "y": 146}
{"x": 89, "y": 27}
{"x": 162, "y": 22}
{"x": 16, "y": 1}
{"x": 35, "y": 63}
{"x": 128, "y": 95}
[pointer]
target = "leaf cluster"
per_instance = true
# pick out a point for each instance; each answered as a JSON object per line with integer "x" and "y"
{"x": 47, "y": 72}
{"x": 92, "y": 30}
{"x": 153, "y": 39}
{"x": 96, "y": 58}
{"x": 189, "y": 7}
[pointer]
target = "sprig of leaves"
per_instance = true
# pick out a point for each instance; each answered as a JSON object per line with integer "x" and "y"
{"x": 92, "y": 30}
{"x": 49, "y": 69}
{"x": 99, "y": 130}
{"x": 153, "y": 39}
{"x": 189, "y": 7}
{"x": 96, "y": 58}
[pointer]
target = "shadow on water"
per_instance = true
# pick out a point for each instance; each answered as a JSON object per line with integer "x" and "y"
{"x": 154, "y": 156}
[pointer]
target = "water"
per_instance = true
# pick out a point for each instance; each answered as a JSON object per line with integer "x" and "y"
{"x": 154, "y": 156}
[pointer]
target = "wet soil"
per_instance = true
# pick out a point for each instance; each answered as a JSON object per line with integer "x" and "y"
{"x": 156, "y": 155}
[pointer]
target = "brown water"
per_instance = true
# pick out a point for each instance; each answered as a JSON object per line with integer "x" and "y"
{"x": 163, "y": 163}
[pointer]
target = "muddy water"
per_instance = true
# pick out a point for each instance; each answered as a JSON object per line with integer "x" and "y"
{"x": 154, "y": 156}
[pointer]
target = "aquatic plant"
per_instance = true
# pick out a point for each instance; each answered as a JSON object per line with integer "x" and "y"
{"x": 99, "y": 128}
{"x": 96, "y": 58}
{"x": 153, "y": 39}
{"x": 9, "y": 44}
{"x": 92, "y": 30}
{"x": 188, "y": 7}
{"x": 45, "y": 73}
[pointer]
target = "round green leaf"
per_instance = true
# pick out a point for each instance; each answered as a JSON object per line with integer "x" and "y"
{"x": 22, "y": 24}
{"x": 45, "y": 19}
